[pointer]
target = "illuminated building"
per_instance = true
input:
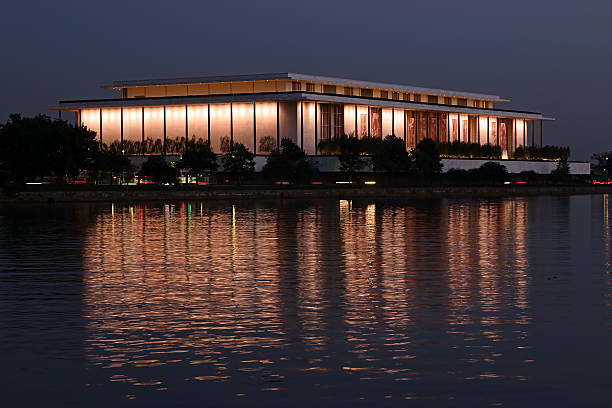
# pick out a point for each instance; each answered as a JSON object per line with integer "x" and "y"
{"x": 159, "y": 116}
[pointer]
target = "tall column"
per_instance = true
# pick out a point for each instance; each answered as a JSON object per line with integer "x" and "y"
{"x": 316, "y": 130}
{"x": 254, "y": 128}
{"x": 100, "y": 125}
{"x": 122, "y": 148}
{"x": 164, "y": 149}
{"x": 277, "y": 125}
{"x": 231, "y": 124}
{"x": 533, "y": 133}
{"x": 302, "y": 124}
{"x": 142, "y": 127}
{"x": 541, "y": 133}
{"x": 208, "y": 124}
{"x": 186, "y": 125}
{"x": 356, "y": 131}
{"x": 369, "y": 126}
{"x": 459, "y": 127}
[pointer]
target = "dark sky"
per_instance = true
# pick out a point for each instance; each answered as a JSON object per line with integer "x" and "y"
{"x": 550, "y": 56}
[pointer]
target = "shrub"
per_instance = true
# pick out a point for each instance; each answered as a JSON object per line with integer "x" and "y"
{"x": 330, "y": 146}
{"x": 471, "y": 150}
{"x": 538, "y": 153}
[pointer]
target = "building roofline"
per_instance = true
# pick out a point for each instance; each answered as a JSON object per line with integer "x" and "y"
{"x": 288, "y": 96}
{"x": 300, "y": 77}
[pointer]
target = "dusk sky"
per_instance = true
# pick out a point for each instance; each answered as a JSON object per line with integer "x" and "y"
{"x": 552, "y": 57}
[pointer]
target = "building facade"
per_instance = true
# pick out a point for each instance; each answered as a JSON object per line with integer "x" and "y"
{"x": 160, "y": 116}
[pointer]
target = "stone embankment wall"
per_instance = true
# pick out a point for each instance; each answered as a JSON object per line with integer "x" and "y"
{"x": 335, "y": 193}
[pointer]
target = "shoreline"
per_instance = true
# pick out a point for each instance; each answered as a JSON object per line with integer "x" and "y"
{"x": 25, "y": 197}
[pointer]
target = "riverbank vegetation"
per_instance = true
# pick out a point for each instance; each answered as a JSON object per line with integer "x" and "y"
{"x": 44, "y": 150}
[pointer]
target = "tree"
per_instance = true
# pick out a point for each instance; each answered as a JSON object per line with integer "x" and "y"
{"x": 112, "y": 160}
{"x": 158, "y": 171}
{"x": 491, "y": 172}
{"x": 238, "y": 161}
{"x": 350, "y": 155}
{"x": 602, "y": 169}
{"x": 199, "y": 157}
{"x": 426, "y": 159}
{"x": 390, "y": 155}
{"x": 289, "y": 163}
{"x": 562, "y": 169}
{"x": 31, "y": 148}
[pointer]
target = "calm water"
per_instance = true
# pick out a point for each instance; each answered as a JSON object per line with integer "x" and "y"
{"x": 458, "y": 302}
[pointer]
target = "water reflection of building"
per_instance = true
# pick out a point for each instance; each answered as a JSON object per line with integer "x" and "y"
{"x": 194, "y": 282}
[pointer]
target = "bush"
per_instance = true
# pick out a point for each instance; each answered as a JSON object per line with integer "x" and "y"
{"x": 472, "y": 150}
{"x": 539, "y": 153}
{"x": 330, "y": 146}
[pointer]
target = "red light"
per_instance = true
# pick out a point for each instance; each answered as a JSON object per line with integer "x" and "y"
{"x": 317, "y": 182}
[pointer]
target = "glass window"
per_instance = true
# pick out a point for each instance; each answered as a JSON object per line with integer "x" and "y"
{"x": 348, "y": 91}
{"x": 432, "y": 99}
{"x": 375, "y": 122}
{"x": 417, "y": 98}
{"x": 384, "y": 94}
{"x": 329, "y": 89}
{"x": 309, "y": 87}
{"x": 325, "y": 122}
{"x": 338, "y": 120}
{"x": 395, "y": 96}
{"x": 297, "y": 86}
{"x": 366, "y": 92}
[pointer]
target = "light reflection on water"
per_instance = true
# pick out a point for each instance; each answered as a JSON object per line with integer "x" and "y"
{"x": 350, "y": 284}
{"x": 348, "y": 302}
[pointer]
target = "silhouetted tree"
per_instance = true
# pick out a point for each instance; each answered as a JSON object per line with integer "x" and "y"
{"x": 199, "y": 158}
{"x": 31, "y": 148}
{"x": 426, "y": 159}
{"x": 351, "y": 160}
{"x": 238, "y": 161}
{"x": 389, "y": 155}
{"x": 491, "y": 172}
{"x": 157, "y": 170}
{"x": 289, "y": 163}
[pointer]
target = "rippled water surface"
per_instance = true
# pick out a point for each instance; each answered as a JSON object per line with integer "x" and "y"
{"x": 452, "y": 302}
